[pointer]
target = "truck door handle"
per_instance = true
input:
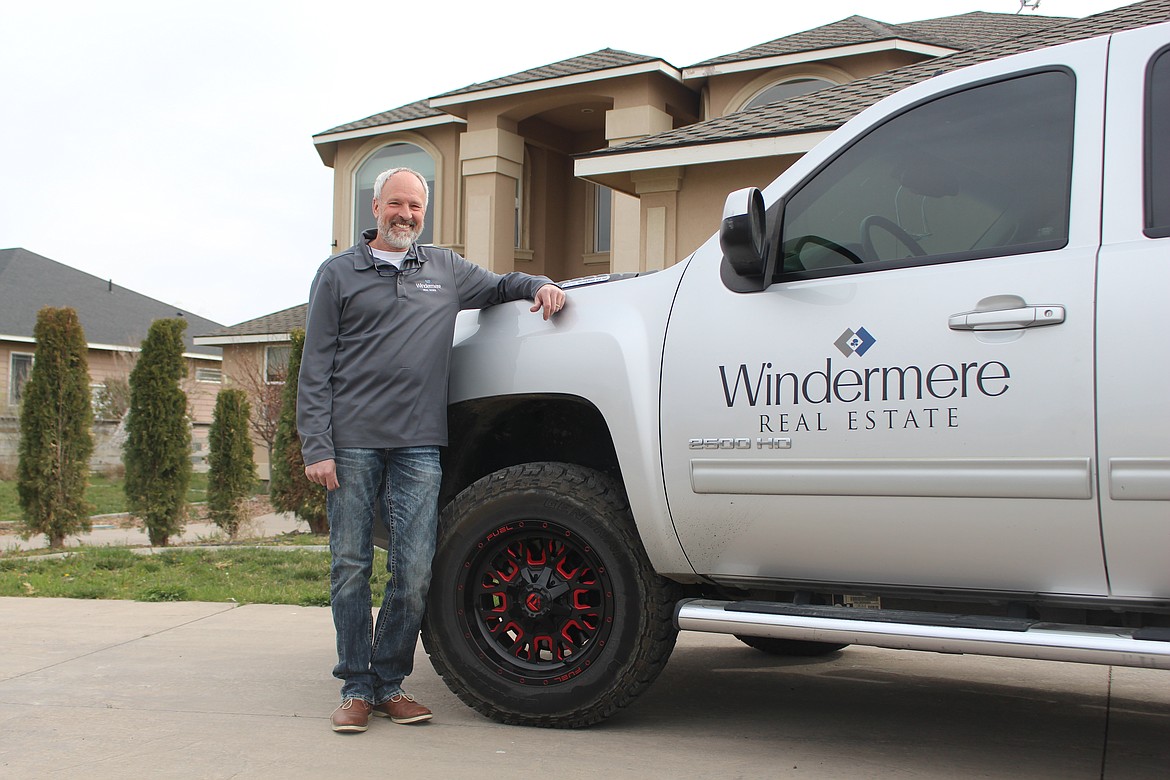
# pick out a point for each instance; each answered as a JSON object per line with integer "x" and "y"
{"x": 1008, "y": 319}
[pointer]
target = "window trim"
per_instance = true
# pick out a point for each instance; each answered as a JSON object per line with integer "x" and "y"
{"x": 95, "y": 391}
{"x": 12, "y": 400}
{"x": 267, "y": 350}
{"x": 1149, "y": 229}
{"x": 518, "y": 230}
{"x": 775, "y": 213}
{"x": 218, "y": 372}
{"x": 745, "y": 105}
{"x": 595, "y": 202}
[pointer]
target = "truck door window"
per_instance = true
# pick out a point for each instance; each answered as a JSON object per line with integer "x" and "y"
{"x": 977, "y": 173}
{"x": 1158, "y": 148}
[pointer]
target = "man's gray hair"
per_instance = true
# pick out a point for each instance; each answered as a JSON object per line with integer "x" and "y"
{"x": 384, "y": 175}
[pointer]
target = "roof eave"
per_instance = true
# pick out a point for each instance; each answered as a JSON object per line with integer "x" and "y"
{"x": 391, "y": 127}
{"x": 226, "y": 341}
{"x": 118, "y": 347}
{"x": 697, "y": 154}
{"x": 816, "y": 55}
{"x": 655, "y": 66}
{"x": 326, "y": 143}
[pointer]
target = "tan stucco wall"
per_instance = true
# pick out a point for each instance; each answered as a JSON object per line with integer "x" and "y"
{"x": 705, "y": 187}
{"x": 241, "y": 361}
{"x": 104, "y": 364}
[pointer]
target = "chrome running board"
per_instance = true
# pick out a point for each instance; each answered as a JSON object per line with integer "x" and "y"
{"x": 977, "y": 635}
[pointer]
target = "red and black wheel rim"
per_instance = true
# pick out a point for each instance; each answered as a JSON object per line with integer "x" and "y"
{"x": 536, "y": 602}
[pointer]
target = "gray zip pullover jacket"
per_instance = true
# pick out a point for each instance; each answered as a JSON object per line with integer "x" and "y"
{"x": 378, "y": 346}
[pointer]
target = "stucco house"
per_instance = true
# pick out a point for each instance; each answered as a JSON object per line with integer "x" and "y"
{"x": 505, "y": 156}
{"x": 115, "y": 321}
{"x": 619, "y": 162}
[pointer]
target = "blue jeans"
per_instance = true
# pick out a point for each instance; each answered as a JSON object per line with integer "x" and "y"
{"x": 402, "y": 487}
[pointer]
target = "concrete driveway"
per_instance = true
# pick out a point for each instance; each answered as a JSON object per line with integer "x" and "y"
{"x": 103, "y": 689}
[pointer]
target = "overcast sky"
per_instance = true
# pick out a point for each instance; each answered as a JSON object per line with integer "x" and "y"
{"x": 168, "y": 146}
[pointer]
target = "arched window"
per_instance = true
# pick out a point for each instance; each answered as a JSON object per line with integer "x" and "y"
{"x": 787, "y": 89}
{"x": 398, "y": 155}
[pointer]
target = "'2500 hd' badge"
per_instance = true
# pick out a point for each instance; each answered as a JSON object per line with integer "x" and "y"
{"x": 742, "y": 443}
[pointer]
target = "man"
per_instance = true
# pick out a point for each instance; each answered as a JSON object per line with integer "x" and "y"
{"x": 372, "y": 414}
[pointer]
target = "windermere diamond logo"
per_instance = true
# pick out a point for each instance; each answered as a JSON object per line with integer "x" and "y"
{"x": 854, "y": 342}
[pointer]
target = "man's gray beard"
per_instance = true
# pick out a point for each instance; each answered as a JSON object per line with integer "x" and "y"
{"x": 397, "y": 242}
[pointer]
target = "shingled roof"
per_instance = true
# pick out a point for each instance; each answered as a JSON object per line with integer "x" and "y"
{"x": 602, "y": 60}
{"x": 411, "y": 111}
{"x": 975, "y": 29}
{"x": 952, "y": 32}
{"x": 831, "y": 107}
{"x": 598, "y": 61}
{"x": 110, "y": 314}
{"x": 278, "y": 324}
{"x": 964, "y": 31}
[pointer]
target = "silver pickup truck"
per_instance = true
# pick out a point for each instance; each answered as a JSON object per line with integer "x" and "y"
{"x": 913, "y": 395}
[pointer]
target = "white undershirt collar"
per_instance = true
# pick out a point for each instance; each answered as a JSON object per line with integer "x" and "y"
{"x": 393, "y": 258}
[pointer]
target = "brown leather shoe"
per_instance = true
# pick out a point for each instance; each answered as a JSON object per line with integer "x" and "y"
{"x": 352, "y": 716}
{"x": 402, "y": 708}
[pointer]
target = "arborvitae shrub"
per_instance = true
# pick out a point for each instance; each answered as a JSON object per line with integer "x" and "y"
{"x": 289, "y": 488}
{"x": 157, "y": 452}
{"x": 232, "y": 471}
{"x": 56, "y": 439}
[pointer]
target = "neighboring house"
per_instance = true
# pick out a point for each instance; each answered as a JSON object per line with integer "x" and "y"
{"x": 255, "y": 357}
{"x": 614, "y": 162}
{"x": 115, "y": 321}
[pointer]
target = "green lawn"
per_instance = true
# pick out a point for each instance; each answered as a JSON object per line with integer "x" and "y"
{"x": 105, "y": 493}
{"x": 245, "y": 575}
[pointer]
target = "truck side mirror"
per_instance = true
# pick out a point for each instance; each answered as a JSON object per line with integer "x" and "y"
{"x": 741, "y": 236}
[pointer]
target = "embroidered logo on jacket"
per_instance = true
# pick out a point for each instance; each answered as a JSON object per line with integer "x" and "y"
{"x": 429, "y": 285}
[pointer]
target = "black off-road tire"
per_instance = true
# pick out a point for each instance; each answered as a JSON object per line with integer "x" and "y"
{"x": 543, "y": 608}
{"x": 790, "y": 647}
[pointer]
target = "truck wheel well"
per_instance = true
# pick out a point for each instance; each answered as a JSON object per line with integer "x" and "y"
{"x": 488, "y": 434}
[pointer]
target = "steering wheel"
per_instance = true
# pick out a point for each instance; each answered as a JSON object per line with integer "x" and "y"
{"x": 837, "y": 249}
{"x": 891, "y": 227}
